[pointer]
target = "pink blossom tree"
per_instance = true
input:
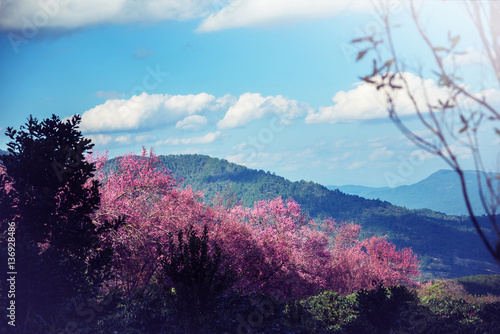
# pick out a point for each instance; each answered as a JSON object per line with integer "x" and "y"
{"x": 273, "y": 247}
{"x": 356, "y": 264}
{"x": 149, "y": 199}
{"x": 278, "y": 250}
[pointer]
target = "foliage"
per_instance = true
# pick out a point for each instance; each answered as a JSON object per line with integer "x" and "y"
{"x": 278, "y": 250}
{"x": 421, "y": 230}
{"x": 145, "y": 311}
{"x": 148, "y": 197}
{"x": 331, "y": 310}
{"x": 197, "y": 276}
{"x": 272, "y": 248}
{"x": 481, "y": 284}
{"x": 380, "y": 309}
{"x": 441, "y": 289}
{"x": 45, "y": 189}
{"x": 456, "y": 309}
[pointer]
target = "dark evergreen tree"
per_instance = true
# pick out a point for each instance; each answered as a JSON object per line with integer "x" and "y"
{"x": 58, "y": 254}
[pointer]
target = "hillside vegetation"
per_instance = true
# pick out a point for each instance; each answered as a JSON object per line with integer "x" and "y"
{"x": 447, "y": 245}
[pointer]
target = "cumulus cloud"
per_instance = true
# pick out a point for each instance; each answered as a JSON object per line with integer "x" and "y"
{"x": 470, "y": 56}
{"x": 206, "y": 139}
{"x": 74, "y": 14}
{"x": 100, "y": 139}
{"x": 250, "y": 13}
{"x": 421, "y": 155}
{"x": 189, "y": 103}
{"x": 366, "y": 102}
{"x": 143, "y": 112}
{"x": 125, "y": 139}
{"x": 252, "y": 106}
{"x": 380, "y": 153}
{"x": 64, "y": 15}
{"x": 144, "y": 138}
{"x": 146, "y": 112}
{"x": 194, "y": 122}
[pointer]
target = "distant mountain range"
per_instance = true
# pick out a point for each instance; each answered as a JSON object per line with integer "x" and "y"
{"x": 440, "y": 191}
{"x": 448, "y": 246}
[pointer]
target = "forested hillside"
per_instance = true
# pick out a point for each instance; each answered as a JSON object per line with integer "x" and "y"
{"x": 447, "y": 245}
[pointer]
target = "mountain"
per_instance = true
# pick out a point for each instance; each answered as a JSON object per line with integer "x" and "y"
{"x": 440, "y": 191}
{"x": 2, "y": 152}
{"x": 448, "y": 246}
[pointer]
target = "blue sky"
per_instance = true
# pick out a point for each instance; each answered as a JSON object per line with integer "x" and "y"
{"x": 272, "y": 85}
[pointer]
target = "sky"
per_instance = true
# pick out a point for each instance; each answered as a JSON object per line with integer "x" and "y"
{"x": 269, "y": 84}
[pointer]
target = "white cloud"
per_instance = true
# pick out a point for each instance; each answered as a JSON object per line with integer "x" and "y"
{"x": 366, "y": 102}
{"x": 421, "y": 155}
{"x": 253, "y": 106}
{"x": 75, "y": 14}
{"x": 125, "y": 139}
{"x": 470, "y": 56}
{"x": 251, "y": 13}
{"x": 50, "y": 15}
{"x": 146, "y": 112}
{"x": 144, "y": 138}
{"x": 460, "y": 151}
{"x": 356, "y": 165}
{"x": 223, "y": 103}
{"x": 194, "y": 122}
{"x": 261, "y": 159}
{"x": 380, "y": 153}
{"x": 237, "y": 158}
{"x": 206, "y": 139}
{"x": 99, "y": 139}
{"x": 189, "y": 103}
{"x": 143, "y": 112}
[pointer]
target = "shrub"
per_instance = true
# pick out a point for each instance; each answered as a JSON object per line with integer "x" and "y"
{"x": 197, "y": 276}
{"x": 442, "y": 289}
{"x": 331, "y": 309}
{"x": 382, "y": 308}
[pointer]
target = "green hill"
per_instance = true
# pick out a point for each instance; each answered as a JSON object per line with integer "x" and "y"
{"x": 481, "y": 284}
{"x": 447, "y": 245}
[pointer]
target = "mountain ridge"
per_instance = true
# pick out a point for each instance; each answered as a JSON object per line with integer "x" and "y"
{"x": 441, "y": 191}
{"x": 460, "y": 253}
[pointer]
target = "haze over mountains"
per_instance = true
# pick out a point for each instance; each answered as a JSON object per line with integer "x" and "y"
{"x": 440, "y": 191}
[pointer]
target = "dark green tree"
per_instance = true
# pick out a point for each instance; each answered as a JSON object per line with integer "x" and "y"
{"x": 47, "y": 192}
{"x": 195, "y": 267}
